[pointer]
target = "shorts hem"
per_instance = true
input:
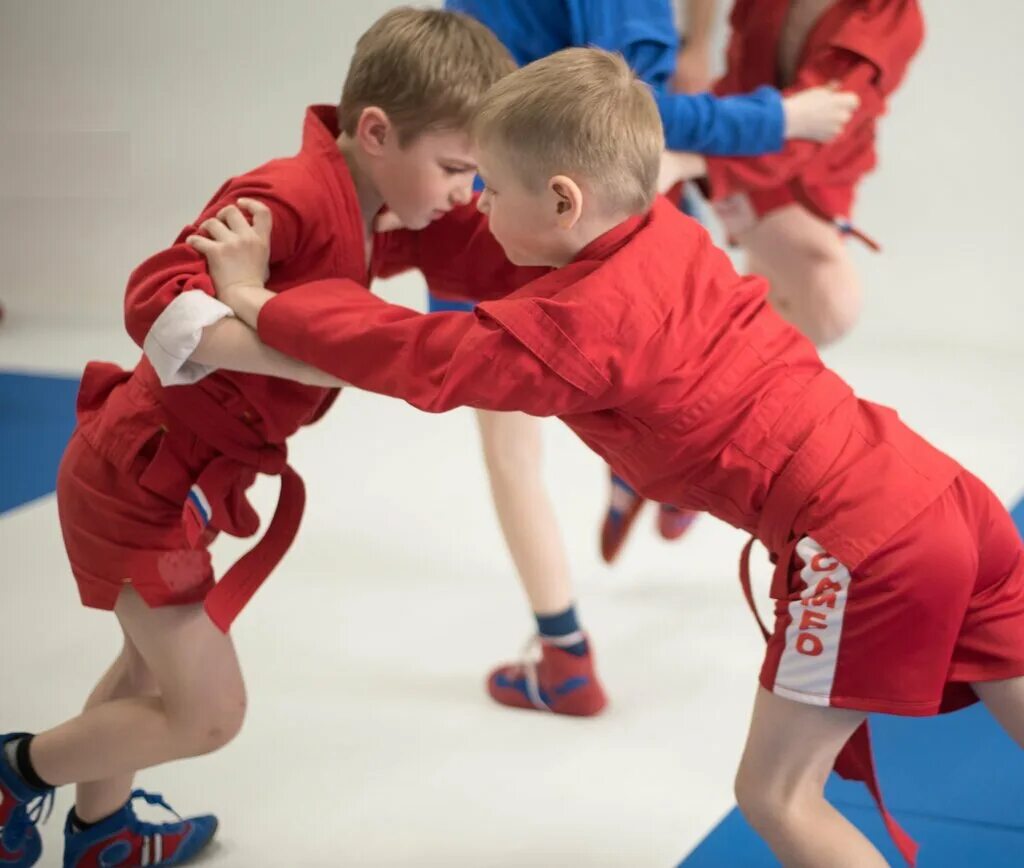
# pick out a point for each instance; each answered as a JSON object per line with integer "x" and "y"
{"x": 155, "y": 598}
{"x": 857, "y": 703}
{"x": 980, "y": 674}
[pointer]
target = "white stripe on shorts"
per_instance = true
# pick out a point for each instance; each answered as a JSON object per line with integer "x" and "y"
{"x": 807, "y": 669}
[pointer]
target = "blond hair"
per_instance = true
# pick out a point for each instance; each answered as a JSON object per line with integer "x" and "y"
{"x": 580, "y": 111}
{"x": 426, "y": 68}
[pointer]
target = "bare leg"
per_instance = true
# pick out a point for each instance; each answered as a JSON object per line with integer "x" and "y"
{"x": 781, "y": 781}
{"x": 200, "y": 706}
{"x": 128, "y": 676}
{"x": 1005, "y": 699}
{"x": 813, "y": 282}
{"x": 512, "y": 451}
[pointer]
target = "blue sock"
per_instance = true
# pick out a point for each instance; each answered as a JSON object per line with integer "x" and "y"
{"x": 563, "y": 630}
{"x": 623, "y": 497}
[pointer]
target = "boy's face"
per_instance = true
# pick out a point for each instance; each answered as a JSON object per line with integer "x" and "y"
{"x": 428, "y": 177}
{"x": 523, "y": 222}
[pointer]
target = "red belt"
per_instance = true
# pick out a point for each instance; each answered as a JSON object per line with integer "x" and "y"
{"x": 218, "y": 496}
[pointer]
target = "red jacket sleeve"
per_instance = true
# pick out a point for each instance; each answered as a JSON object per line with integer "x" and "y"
{"x": 435, "y": 362}
{"x": 458, "y": 256}
{"x": 170, "y": 297}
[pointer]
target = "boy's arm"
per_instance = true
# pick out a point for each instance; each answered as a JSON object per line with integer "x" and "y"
{"x": 643, "y": 31}
{"x": 435, "y": 362}
{"x": 678, "y": 166}
{"x": 747, "y": 124}
{"x": 237, "y": 253}
{"x": 230, "y": 344}
{"x": 170, "y": 299}
{"x": 693, "y": 60}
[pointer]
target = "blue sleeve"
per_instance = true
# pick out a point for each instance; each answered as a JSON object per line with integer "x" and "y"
{"x": 644, "y": 32}
{"x": 745, "y": 125}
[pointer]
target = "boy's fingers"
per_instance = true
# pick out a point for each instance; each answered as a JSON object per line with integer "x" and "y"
{"x": 234, "y": 218}
{"x": 203, "y": 245}
{"x": 216, "y": 230}
{"x": 262, "y": 219}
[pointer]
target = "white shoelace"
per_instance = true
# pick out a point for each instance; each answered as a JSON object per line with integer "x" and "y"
{"x": 531, "y": 656}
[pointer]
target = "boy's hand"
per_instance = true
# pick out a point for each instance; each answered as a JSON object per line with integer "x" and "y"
{"x": 237, "y": 252}
{"x": 818, "y": 113}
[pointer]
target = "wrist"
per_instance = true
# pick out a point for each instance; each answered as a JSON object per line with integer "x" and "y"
{"x": 789, "y": 117}
{"x": 246, "y": 300}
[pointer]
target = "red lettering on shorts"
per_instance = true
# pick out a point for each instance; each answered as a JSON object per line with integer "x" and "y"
{"x": 816, "y": 604}
{"x": 813, "y": 620}
{"x": 824, "y": 594}
{"x": 823, "y": 563}
{"x": 809, "y": 644}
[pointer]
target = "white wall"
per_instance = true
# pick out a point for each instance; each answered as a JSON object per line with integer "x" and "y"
{"x": 946, "y": 200}
{"x": 118, "y": 118}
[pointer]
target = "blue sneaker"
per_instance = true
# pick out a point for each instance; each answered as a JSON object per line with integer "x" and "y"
{"x": 21, "y": 808}
{"x": 124, "y": 841}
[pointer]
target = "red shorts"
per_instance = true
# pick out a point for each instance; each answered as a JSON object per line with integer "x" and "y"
{"x": 939, "y": 606}
{"x": 121, "y": 487}
{"x": 740, "y": 212}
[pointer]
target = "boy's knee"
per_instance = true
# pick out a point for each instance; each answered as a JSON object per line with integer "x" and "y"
{"x": 835, "y": 315}
{"x": 763, "y": 806}
{"x": 825, "y": 307}
{"x": 780, "y": 803}
{"x": 210, "y": 725}
{"x": 751, "y": 799}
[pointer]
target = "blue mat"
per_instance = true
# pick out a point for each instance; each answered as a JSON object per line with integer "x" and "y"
{"x": 954, "y": 782}
{"x": 37, "y": 416}
{"x": 944, "y": 843}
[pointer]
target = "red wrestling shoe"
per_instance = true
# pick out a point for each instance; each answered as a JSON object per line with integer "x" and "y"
{"x": 559, "y": 682}
{"x": 624, "y": 506}
{"x": 673, "y": 522}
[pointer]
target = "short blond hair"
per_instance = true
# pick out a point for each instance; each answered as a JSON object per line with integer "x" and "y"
{"x": 426, "y": 68}
{"x": 580, "y": 111}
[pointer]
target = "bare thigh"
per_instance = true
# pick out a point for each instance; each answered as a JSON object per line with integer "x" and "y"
{"x": 193, "y": 663}
{"x": 813, "y": 282}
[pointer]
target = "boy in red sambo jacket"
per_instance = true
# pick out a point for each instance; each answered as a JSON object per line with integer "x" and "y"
{"x": 643, "y": 339}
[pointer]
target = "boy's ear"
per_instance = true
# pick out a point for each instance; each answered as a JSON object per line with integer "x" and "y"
{"x": 373, "y": 130}
{"x": 568, "y": 199}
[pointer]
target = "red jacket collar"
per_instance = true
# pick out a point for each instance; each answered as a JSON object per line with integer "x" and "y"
{"x": 605, "y": 245}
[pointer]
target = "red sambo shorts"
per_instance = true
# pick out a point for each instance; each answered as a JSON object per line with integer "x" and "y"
{"x": 120, "y": 491}
{"x": 940, "y": 605}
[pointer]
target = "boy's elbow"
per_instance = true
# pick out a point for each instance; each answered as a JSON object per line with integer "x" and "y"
{"x": 134, "y": 324}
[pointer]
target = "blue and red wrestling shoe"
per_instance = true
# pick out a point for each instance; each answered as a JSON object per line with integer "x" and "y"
{"x": 122, "y": 840}
{"x": 560, "y": 681}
